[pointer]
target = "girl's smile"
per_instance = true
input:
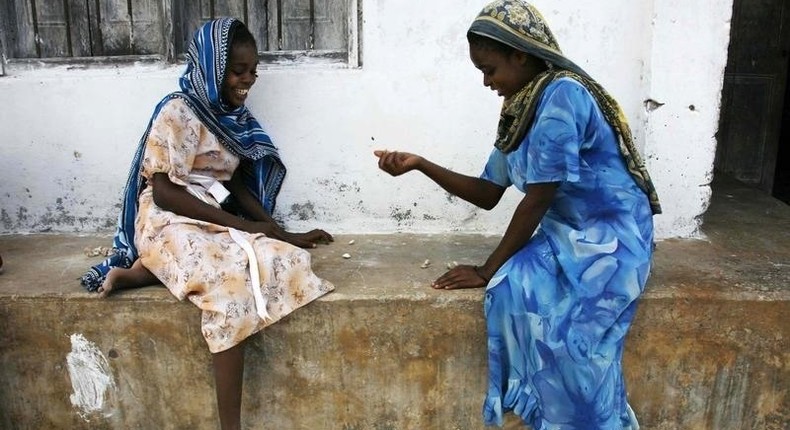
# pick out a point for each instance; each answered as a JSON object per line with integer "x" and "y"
{"x": 240, "y": 75}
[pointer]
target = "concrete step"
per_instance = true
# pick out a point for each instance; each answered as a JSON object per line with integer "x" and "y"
{"x": 708, "y": 350}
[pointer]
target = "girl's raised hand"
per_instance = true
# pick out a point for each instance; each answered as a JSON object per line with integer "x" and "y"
{"x": 396, "y": 163}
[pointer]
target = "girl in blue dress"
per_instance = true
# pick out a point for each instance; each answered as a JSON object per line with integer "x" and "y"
{"x": 563, "y": 283}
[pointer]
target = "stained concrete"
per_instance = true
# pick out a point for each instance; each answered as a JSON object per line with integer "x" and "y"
{"x": 708, "y": 350}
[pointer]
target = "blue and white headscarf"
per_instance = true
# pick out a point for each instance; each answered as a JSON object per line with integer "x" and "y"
{"x": 236, "y": 128}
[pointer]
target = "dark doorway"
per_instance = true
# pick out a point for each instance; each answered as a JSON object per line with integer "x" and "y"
{"x": 782, "y": 177}
{"x": 753, "y": 134}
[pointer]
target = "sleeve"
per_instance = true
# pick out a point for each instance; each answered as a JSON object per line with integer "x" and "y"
{"x": 554, "y": 151}
{"x": 496, "y": 169}
{"x": 172, "y": 142}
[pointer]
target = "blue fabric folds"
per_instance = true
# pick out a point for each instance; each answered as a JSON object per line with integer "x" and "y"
{"x": 558, "y": 310}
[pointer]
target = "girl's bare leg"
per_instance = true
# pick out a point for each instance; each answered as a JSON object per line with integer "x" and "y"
{"x": 133, "y": 277}
{"x": 228, "y": 378}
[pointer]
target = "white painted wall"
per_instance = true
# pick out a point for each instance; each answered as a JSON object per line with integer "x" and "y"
{"x": 67, "y": 135}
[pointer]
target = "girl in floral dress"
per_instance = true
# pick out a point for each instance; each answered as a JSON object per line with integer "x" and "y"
{"x": 201, "y": 147}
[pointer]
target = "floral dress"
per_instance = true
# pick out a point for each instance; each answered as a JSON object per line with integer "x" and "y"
{"x": 198, "y": 260}
{"x": 558, "y": 310}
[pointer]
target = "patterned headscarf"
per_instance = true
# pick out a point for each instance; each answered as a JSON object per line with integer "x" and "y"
{"x": 519, "y": 25}
{"x": 207, "y": 58}
{"x": 236, "y": 128}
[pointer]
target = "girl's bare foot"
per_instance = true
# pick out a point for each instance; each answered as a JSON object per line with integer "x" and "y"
{"x": 110, "y": 281}
{"x": 119, "y": 278}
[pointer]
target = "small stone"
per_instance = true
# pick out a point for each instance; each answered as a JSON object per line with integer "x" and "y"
{"x": 104, "y": 251}
{"x": 425, "y": 264}
{"x": 351, "y": 242}
{"x": 346, "y": 256}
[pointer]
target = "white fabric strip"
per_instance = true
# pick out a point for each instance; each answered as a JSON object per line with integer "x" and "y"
{"x": 207, "y": 184}
{"x": 255, "y": 279}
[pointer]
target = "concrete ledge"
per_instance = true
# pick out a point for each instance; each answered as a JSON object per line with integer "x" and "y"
{"x": 709, "y": 348}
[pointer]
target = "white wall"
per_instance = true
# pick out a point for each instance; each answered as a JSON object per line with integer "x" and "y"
{"x": 67, "y": 135}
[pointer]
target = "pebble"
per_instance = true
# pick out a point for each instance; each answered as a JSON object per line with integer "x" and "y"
{"x": 351, "y": 242}
{"x": 98, "y": 251}
{"x": 425, "y": 264}
{"x": 346, "y": 256}
{"x": 453, "y": 264}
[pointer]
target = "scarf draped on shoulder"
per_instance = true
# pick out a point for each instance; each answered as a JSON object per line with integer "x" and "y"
{"x": 519, "y": 25}
{"x": 236, "y": 128}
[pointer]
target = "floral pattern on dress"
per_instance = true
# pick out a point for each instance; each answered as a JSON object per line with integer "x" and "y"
{"x": 557, "y": 311}
{"x": 198, "y": 260}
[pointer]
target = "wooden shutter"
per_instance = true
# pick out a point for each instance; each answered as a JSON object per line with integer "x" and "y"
{"x": 286, "y": 30}
{"x": 79, "y": 28}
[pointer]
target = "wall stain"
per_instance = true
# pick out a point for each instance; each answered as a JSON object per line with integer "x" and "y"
{"x": 21, "y": 214}
{"x": 339, "y": 187}
{"x": 402, "y": 216}
{"x": 57, "y": 216}
{"x": 6, "y": 220}
{"x": 302, "y": 212}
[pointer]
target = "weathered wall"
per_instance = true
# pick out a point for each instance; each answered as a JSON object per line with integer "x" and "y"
{"x": 67, "y": 134}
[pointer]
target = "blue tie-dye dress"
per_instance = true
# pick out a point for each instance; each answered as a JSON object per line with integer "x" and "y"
{"x": 558, "y": 310}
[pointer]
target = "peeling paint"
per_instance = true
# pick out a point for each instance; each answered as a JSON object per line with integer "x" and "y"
{"x": 651, "y": 105}
{"x": 91, "y": 377}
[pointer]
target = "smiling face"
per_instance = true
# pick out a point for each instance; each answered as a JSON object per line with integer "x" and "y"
{"x": 240, "y": 74}
{"x": 505, "y": 72}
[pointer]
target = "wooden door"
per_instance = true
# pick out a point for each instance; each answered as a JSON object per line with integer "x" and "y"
{"x": 754, "y": 90}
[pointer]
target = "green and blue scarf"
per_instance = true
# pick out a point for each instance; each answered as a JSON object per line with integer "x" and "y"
{"x": 519, "y": 25}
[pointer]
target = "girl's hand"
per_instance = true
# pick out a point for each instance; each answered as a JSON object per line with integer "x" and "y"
{"x": 396, "y": 163}
{"x": 302, "y": 240}
{"x": 463, "y": 276}
{"x": 309, "y": 239}
{"x": 267, "y": 228}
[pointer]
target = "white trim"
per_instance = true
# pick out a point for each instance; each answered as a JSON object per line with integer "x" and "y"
{"x": 354, "y": 6}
